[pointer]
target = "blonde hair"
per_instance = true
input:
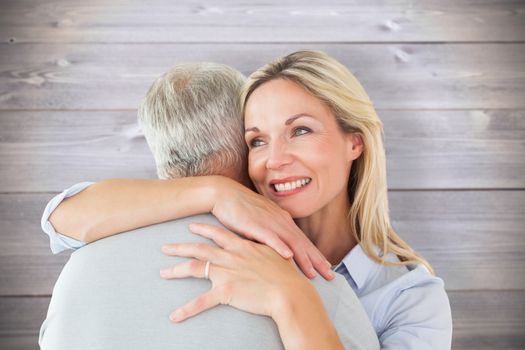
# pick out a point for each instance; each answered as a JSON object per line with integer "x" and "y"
{"x": 331, "y": 82}
{"x": 190, "y": 118}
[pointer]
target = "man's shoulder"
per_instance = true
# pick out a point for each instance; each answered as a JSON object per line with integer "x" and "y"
{"x": 173, "y": 231}
{"x": 346, "y": 312}
{"x": 178, "y": 224}
{"x": 336, "y": 294}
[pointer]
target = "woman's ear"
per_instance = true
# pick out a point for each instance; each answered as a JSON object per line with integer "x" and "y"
{"x": 355, "y": 146}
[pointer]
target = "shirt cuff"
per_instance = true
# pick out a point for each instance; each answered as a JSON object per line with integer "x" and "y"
{"x": 57, "y": 241}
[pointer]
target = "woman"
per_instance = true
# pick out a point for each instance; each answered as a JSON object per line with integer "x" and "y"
{"x": 315, "y": 149}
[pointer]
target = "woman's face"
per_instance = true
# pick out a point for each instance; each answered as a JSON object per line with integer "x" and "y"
{"x": 298, "y": 156}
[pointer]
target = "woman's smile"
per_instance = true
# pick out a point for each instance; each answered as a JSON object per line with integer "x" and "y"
{"x": 298, "y": 155}
{"x": 289, "y": 186}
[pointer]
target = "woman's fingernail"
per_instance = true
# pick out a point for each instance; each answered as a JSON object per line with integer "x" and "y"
{"x": 287, "y": 253}
{"x": 175, "y": 316}
{"x": 164, "y": 273}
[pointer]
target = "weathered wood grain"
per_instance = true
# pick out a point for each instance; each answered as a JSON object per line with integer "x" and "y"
{"x": 455, "y": 149}
{"x": 19, "y": 342}
{"x": 67, "y": 147}
{"x": 488, "y": 319}
{"x": 28, "y": 266}
{"x": 483, "y": 320}
{"x": 21, "y": 316}
{"x": 474, "y": 239}
{"x": 425, "y": 149}
{"x": 267, "y": 21}
{"x": 116, "y": 76}
{"x": 447, "y": 77}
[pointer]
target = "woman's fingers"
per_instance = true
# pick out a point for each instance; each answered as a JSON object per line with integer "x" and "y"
{"x": 270, "y": 238}
{"x": 320, "y": 264}
{"x": 274, "y": 241}
{"x": 201, "y": 251}
{"x": 231, "y": 241}
{"x": 224, "y": 238}
{"x": 306, "y": 255}
{"x": 191, "y": 268}
{"x": 304, "y": 263}
{"x": 201, "y": 303}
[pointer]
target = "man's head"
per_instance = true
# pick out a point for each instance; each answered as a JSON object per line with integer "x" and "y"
{"x": 191, "y": 120}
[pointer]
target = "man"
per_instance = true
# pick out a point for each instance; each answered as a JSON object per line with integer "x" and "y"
{"x": 110, "y": 294}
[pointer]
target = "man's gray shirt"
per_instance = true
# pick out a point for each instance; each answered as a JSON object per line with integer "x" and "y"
{"x": 110, "y": 296}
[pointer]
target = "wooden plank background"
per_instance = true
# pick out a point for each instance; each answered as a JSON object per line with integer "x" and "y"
{"x": 447, "y": 78}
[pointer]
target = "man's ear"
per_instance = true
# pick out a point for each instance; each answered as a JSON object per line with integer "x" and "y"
{"x": 355, "y": 146}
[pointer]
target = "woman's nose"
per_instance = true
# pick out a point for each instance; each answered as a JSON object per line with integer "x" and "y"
{"x": 278, "y": 156}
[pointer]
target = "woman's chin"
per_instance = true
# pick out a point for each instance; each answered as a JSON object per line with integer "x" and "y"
{"x": 298, "y": 212}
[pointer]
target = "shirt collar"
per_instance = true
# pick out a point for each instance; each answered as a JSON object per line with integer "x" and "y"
{"x": 359, "y": 266}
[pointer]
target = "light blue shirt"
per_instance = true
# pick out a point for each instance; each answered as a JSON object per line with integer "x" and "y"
{"x": 407, "y": 306}
{"x": 57, "y": 241}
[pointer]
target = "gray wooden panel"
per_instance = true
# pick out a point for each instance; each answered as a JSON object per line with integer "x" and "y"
{"x": 116, "y": 76}
{"x": 473, "y": 239}
{"x": 21, "y": 316}
{"x": 267, "y": 21}
{"x": 27, "y": 265}
{"x": 455, "y": 149}
{"x": 486, "y": 320}
{"x": 19, "y": 342}
{"x": 483, "y": 320}
{"x": 20, "y": 320}
{"x": 47, "y": 150}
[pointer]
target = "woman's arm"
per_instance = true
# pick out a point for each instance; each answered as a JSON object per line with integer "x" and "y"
{"x": 303, "y": 322}
{"x": 253, "y": 278}
{"x": 113, "y": 206}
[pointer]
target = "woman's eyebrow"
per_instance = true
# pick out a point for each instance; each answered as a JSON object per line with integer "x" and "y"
{"x": 297, "y": 116}
{"x": 287, "y": 122}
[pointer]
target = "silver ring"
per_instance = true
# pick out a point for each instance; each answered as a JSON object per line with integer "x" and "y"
{"x": 207, "y": 270}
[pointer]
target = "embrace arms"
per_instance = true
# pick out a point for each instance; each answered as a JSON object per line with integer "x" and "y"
{"x": 113, "y": 206}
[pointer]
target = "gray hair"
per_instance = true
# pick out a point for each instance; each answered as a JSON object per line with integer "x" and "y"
{"x": 191, "y": 120}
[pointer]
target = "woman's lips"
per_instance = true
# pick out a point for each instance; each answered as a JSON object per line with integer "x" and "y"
{"x": 289, "y": 185}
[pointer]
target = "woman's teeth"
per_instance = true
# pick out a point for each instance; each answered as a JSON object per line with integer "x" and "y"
{"x": 287, "y": 186}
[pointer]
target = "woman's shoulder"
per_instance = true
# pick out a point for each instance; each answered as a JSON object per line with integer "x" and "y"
{"x": 407, "y": 305}
{"x": 409, "y": 300}
{"x": 416, "y": 308}
{"x": 393, "y": 282}
{"x": 381, "y": 280}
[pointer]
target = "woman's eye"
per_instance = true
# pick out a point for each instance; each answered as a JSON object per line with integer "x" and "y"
{"x": 301, "y": 131}
{"x": 256, "y": 143}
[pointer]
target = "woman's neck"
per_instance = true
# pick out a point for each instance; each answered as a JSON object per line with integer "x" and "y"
{"x": 329, "y": 230}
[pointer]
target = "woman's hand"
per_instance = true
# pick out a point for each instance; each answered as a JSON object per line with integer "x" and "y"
{"x": 244, "y": 274}
{"x": 258, "y": 218}
{"x": 254, "y": 278}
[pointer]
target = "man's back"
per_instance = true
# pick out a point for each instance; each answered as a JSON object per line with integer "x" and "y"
{"x": 110, "y": 296}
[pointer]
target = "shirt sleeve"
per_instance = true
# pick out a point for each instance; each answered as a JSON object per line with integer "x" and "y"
{"x": 419, "y": 319}
{"x": 57, "y": 241}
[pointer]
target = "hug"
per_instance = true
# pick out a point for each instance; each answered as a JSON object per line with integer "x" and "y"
{"x": 268, "y": 227}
